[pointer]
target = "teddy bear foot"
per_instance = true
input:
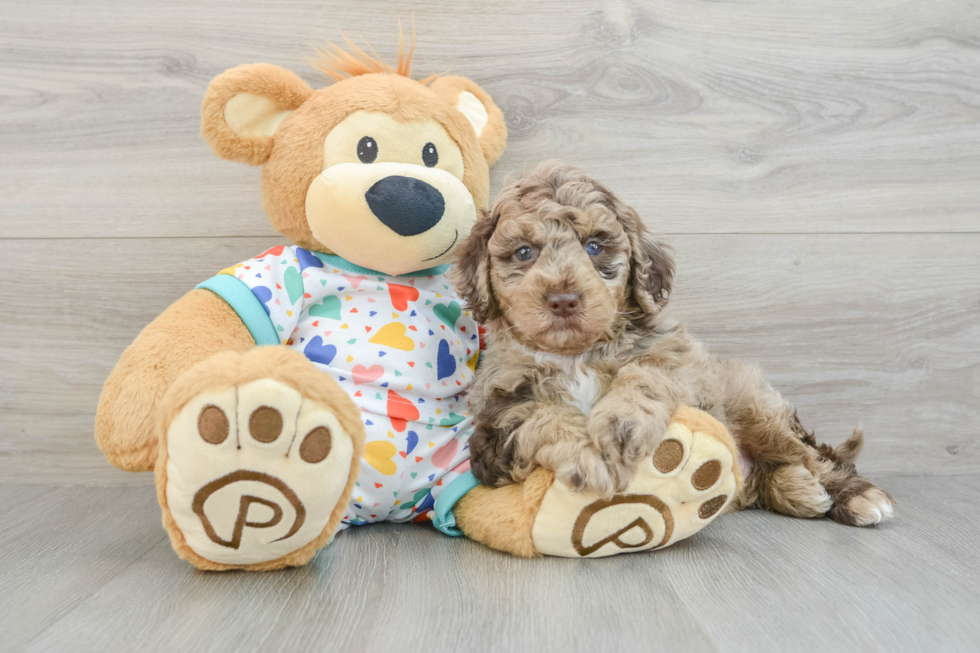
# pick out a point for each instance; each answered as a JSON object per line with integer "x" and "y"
{"x": 252, "y": 474}
{"x": 689, "y": 480}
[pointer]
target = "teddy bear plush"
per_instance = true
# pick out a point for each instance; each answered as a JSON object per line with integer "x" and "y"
{"x": 322, "y": 385}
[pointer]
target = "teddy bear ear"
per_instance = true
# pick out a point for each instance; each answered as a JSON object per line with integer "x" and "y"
{"x": 474, "y": 103}
{"x": 244, "y": 106}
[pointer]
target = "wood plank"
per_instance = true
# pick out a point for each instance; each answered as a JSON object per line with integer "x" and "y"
{"x": 57, "y": 353}
{"x": 379, "y": 588}
{"x": 777, "y": 583}
{"x": 60, "y": 546}
{"x": 751, "y": 582}
{"x": 429, "y": 571}
{"x": 872, "y": 331}
{"x": 879, "y": 330}
{"x": 781, "y": 116}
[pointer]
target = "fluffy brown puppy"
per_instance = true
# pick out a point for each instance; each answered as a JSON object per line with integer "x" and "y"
{"x": 583, "y": 368}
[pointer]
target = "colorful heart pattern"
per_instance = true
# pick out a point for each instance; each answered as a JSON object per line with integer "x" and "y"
{"x": 444, "y": 455}
{"x": 363, "y": 374}
{"x": 393, "y": 335}
{"x": 400, "y": 411}
{"x": 318, "y": 352}
{"x": 380, "y": 455}
{"x": 402, "y": 296}
{"x": 448, "y": 313}
{"x": 294, "y": 284}
{"x": 405, "y": 351}
{"x": 445, "y": 361}
{"x": 328, "y": 308}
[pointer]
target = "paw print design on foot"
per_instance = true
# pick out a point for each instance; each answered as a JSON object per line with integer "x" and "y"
{"x": 688, "y": 481}
{"x": 256, "y": 475}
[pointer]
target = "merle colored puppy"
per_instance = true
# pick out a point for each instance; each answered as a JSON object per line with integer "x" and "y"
{"x": 584, "y": 369}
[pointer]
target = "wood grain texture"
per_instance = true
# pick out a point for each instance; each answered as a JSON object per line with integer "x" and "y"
{"x": 878, "y": 330}
{"x": 769, "y": 116}
{"x": 816, "y": 163}
{"x": 750, "y": 582}
{"x": 713, "y": 118}
{"x": 58, "y": 547}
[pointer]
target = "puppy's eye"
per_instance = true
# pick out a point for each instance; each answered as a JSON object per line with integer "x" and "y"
{"x": 367, "y": 150}
{"x": 593, "y": 248}
{"x": 524, "y": 253}
{"x": 430, "y": 156}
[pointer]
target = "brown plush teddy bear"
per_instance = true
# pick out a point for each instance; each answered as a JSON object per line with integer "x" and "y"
{"x": 322, "y": 385}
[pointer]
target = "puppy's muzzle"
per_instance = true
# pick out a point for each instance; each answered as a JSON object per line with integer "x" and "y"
{"x": 406, "y": 205}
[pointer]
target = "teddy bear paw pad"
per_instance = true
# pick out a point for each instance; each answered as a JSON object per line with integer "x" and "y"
{"x": 254, "y": 472}
{"x": 679, "y": 490}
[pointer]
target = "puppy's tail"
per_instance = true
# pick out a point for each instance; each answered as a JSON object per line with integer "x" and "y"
{"x": 848, "y": 451}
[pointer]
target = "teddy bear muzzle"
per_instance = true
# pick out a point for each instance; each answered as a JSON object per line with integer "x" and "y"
{"x": 389, "y": 216}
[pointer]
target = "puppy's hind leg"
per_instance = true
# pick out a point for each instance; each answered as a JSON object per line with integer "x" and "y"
{"x": 793, "y": 474}
{"x": 782, "y": 476}
{"x": 793, "y": 490}
{"x": 857, "y": 501}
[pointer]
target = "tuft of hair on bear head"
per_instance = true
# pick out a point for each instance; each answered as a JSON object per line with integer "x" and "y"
{"x": 339, "y": 64}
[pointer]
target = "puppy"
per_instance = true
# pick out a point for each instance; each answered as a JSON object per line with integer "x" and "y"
{"x": 583, "y": 369}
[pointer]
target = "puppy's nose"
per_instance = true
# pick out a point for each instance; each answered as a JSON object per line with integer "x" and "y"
{"x": 406, "y": 205}
{"x": 564, "y": 304}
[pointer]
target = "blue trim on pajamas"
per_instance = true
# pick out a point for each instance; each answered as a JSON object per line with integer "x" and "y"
{"x": 246, "y": 304}
{"x": 443, "y": 518}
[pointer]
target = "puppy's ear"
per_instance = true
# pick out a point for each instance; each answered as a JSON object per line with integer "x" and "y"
{"x": 471, "y": 274}
{"x": 244, "y": 106}
{"x": 478, "y": 108}
{"x": 651, "y": 262}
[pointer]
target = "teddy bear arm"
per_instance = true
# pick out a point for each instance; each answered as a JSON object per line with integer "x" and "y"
{"x": 192, "y": 329}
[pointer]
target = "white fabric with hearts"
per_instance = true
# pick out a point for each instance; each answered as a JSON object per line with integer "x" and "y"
{"x": 402, "y": 347}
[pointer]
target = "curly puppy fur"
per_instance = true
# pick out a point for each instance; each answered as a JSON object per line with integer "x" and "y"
{"x": 584, "y": 368}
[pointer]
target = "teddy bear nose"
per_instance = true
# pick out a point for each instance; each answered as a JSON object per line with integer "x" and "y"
{"x": 406, "y": 205}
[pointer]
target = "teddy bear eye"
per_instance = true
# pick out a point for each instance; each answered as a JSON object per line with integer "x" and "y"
{"x": 367, "y": 150}
{"x": 430, "y": 156}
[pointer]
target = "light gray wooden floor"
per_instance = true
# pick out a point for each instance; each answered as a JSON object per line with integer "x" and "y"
{"x": 90, "y": 569}
{"x": 816, "y": 164}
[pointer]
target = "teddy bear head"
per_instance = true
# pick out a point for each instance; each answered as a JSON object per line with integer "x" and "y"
{"x": 382, "y": 170}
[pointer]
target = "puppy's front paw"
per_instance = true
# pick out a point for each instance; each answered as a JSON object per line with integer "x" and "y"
{"x": 626, "y": 434}
{"x": 492, "y": 457}
{"x": 588, "y": 472}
